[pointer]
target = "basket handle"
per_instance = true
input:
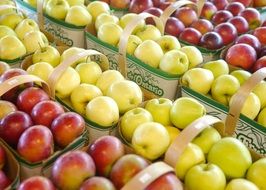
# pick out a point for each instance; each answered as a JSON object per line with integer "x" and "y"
{"x": 40, "y": 16}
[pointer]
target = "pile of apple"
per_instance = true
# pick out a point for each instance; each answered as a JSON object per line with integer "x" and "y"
{"x": 220, "y": 84}
{"x": 18, "y": 35}
{"x": 4, "y": 180}
{"x": 118, "y": 4}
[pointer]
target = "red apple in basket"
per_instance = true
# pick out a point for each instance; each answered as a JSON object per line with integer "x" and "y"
{"x": 187, "y": 15}
{"x": 154, "y": 11}
{"x": 262, "y": 52}
{"x": 190, "y": 35}
{"x": 264, "y": 23}
{"x": 252, "y": 15}
{"x": 44, "y": 112}
{"x": 67, "y": 127}
{"x": 164, "y": 5}
{"x": 13, "y": 125}
{"x": 138, "y": 6}
{"x": 2, "y": 157}
{"x": 119, "y": 4}
{"x": 208, "y": 10}
{"x": 260, "y": 63}
{"x": 97, "y": 183}
{"x": 221, "y": 16}
{"x": 105, "y": 151}
{"x": 157, "y": 3}
{"x": 36, "y": 182}
{"x": 259, "y": 3}
{"x": 220, "y": 4}
{"x": 166, "y": 181}
{"x": 260, "y": 33}
{"x": 29, "y": 97}
{"x": 235, "y": 8}
{"x": 174, "y": 26}
{"x": 4, "y": 180}
{"x": 36, "y": 143}
{"x": 250, "y": 40}
{"x": 246, "y": 3}
{"x": 241, "y": 55}
{"x": 227, "y": 31}
{"x": 240, "y": 23}
{"x": 6, "y": 107}
{"x": 211, "y": 40}
{"x": 202, "y": 25}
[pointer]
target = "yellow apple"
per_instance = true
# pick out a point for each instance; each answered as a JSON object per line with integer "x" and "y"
{"x": 41, "y": 69}
{"x": 7, "y": 10}
{"x": 173, "y": 132}
{"x": 5, "y": 30}
{"x": 241, "y": 75}
{"x": 149, "y": 32}
{"x": 75, "y": 2}
{"x": 109, "y": 33}
{"x": 217, "y": 67}
{"x": 34, "y": 40}
{"x": 3, "y": 67}
{"x": 89, "y": 72}
{"x": 132, "y": 44}
{"x": 257, "y": 173}
{"x": 6, "y": 107}
{"x": 71, "y": 52}
{"x": 47, "y": 54}
{"x": 78, "y": 15}
{"x": 7, "y": 2}
{"x": 95, "y": 8}
{"x": 262, "y": 117}
{"x": 11, "y": 48}
{"x": 105, "y": 18}
{"x": 11, "y": 20}
{"x": 57, "y": 9}
{"x": 168, "y": 42}
{"x": 193, "y": 54}
{"x": 25, "y": 26}
{"x": 241, "y": 184}
{"x": 260, "y": 90}
{"x": 127, "y": 18}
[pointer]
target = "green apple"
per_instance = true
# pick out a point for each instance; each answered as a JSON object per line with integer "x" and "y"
{"x": 34, "y": 40}
{"x": 185, "y": 110}
{"x": 217, "y": 67}
{"x": 191, "y": 156}
{"x": 76, "y": 2}
{"x": 257, "y": 173}
{"x": 241, "y": 75}
{"x": 57, "y": 9}
{"x": 260, "y": 90}
{"x": 89, "y": 72}
{"x": 147, "y": 48}
{"x": 173, "y": 132}
{"x": 11, "y": 48}
{"x": 224, "y": 87}
{"x": 232, "y": 156}
{"x": 68, "y": 81}
{"x": 25, "y": 26}
{"x": 132, "y": 119}
{"x": 103, "y": 110}
{"x": 262, "y": 117}
{"x": 11, "y": 20}
{"x": 174, "y": 62}
{"x": 41, "y": 69}
{"x": 193, "y": 54}
{"x": 95, "y": 8}
{"x": 47, "y": 54}
{"x": 132, "y": 95}
{"x": 150, "y": 140}
{"x": 205, "y": 176}
{"x": 107, "y": 78}
{"x": 110, "y": 33}
{"x": 78, "y": 16}
{"x": 241, "y": 184}
{"x": 5, "y": 30}
{"x": 148, "y": 32}
{"x": 168, "y": 42}
{"x": 133, "y": 42}
{"x": 105, "y": 18}
{"x": 198, "y": 79}
{"x": 127, "y": 18}
{"x": 3, "y": 67}
{"x": 82, "y": 94}
{"x": 72, "y": 51}
{"x": 206, "y": 139}
{"x": 33, "y": 3}
{"x": 160, "y": 110}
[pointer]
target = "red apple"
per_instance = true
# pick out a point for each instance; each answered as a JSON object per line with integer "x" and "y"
{"x": 138, "y": 6}
{"x": 221, "y": 16}
{"x": 252, "y": 15}
{"x": 260, "y": 33}
{"x": 208, "y": 10}
{"x": 2, "y": 157}
{"x": 119, "y": 4}
{"x": 241, "y": 55}
{"x": 105, "y": 151}
{"x": 164, "y": 5}
{"x": 36, "y": 182}
{"x": 6, "y": 107}
{"x": 246, "y": 3}
{"x": 97, "y": 183}
{"x": 154, "y": 11}
{"x": 264, "y": 23}
{"x": 211, "y": 40}
{"x": 4, "y": 180}
{"x": 29, "y": 97}
{"x": 190, "y": 35}
{"x": 36, "y": 143}
{"x": 262, "y": 52}
{"x": 67, "y": 127}
{"x": 227, "y": 31}
{"x": 166, "y": 181}
{"x": 13, "y": 125}
{"x": 157, "y": 3}
{"x": 174, "y": 26}
{"x": 202, "y": 25}
{"x": 250, "y": 40}
{"x": 240, "y": 23}
{"x": 125, "y": 168}
{"x": 186, "y": 15}
{"x": 259, "y": 3}
{"x": 71, "y": 169}
{"x": 235, "y": 8}
{"x": 260, "y": 63}
{"x": 44, "y": 112}
{"x": 220, "y": 4}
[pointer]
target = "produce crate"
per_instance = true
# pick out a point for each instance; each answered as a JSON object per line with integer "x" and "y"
{"x": 262, "y": 11}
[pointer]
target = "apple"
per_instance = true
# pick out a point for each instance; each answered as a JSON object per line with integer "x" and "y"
{"x": 78, "y": 16}
{"x": 164, "y": 5}
{"x": 223, "y": 87}
{"x": 208, "y": 10}
{"x": 67, "y": 166}
{"x": 240, "y": 23}
{"x": 241, "y": 55}
{"x": 209, "y": 175}
{"x": 263, "y": 23}
{"x": 166, "y": 181}
{"x": 223, "y": 154}
{"x": 103, "y": 111}
{"x": 190, "y": 35}
{"x": 132, "y": 119}
{"x": 250, "y": 40}
{"x": 36, "y": 143}
{"x": 44, "y": 112}
{"x": 72, "y": 51}
{"x": 127, "y": 18}
{"x": 7, "y": 2}
{"x": 57, "y": 9}
{"x": 262, "y": 52}
{"x": 260, "y": 34}
{"x": 11, "y": 19}
{"x": 157, "y": 3}
{"x": 258, "y": 90}
{"x": 148, "y": 32}
{"x": 174, "y": 26}
{"x": 5, "y": 30}
{"x": 241, "y": 75}
{"x": 246, "y": 3}
{"x": 235, "y": 8}
{"x": 173, "y": 132}
{"x": 221, "y": 16}
{"x": 256, "y": 173}
{"x": 41, "y": 69}
{"x": 75, "y": 2}
{"x": 89, "y": 72}
{"x": 25, "y": 26}
{"x": 119, "y": 4}
{"x": 187, "y": 15}
{"x": 110, "y": 33}
{"x": 202, "y": 25}
{"x": 242, "y": 184}
{"x": 174, "y": 62}
{"x": 6, "y": 107}
{"x": 133, "y": 42}
{"x": 2, "y": 157}
{"x": 32, "y": 3}
{"x": 145, "y": 140}
{"x": 4, "y": 180}
{"x": 105, "y": 18}
{"x": 29, "y": 97}
{"x": 220, "y": 4}
{"x": 11, "y": 48}
{"x": 47, "y": 54}
{"x": 105, "y": 151}
{"x": 191, "y": 79}
{"x": 259, "y": 3}
{"x": 154, "y": 11}
{"x": 97, "y": 183}
{"x": 147, "y": 48}
{"x": 227, "y": 31}
{"x": 3, "y": 67}
{"x": 138, "y": 6}
{"x": 193, "y": 54}
{"x": 37, "y": 182}
{"x": 217, "y": 67}
{"x": 211, "y": 40}
{"x": 7, "y": 10}
{"x": 253, "y": 17}
{"x": 168, "y": 42}
{"x": 95, "y": 8}
{"x": 34, "y": 40}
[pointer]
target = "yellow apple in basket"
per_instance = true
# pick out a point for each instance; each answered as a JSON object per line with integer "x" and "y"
{"x": 89, "y": 72}
{"x": 132, "y": 44}
{"x": 105, "y": 18}
{"x": 260, "y": 90}
{"x": 75, "y": 2}
{"x": 11, "y": 48}
{"x": 5, "y": 30}
{"x": 7, "y": 2}
{"x": 57, "y": 9}
{"x": 257, "y": 173}
{"x": 168, "y": 42}
{"x": 262, "y": 117}
{"x": 25, "y": 26}
{"x": 34, "y": 40}
{"x": 72, "y": 51}
{"x": 173, "y": 132}
{"x": 12, "y": 19}
{"x": 193, "y": 54}
{"x": 241, "y": 184}
{"x": 110, "y": 33}
{"x": 7, "y": 10}
{"x": 3, "y": 67}
{"x": 41, "y": 69}
{"x": 148, "y": 32}
{"x": 33, "y": 3}
{"x": 95, "y": 8}
{"x": 78, "y": 16}
{"x": 47, "y": 54}
{"x": 217, "y": 67}
{"x": 241, "y": 75}
{"x": 127, "y": 18}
